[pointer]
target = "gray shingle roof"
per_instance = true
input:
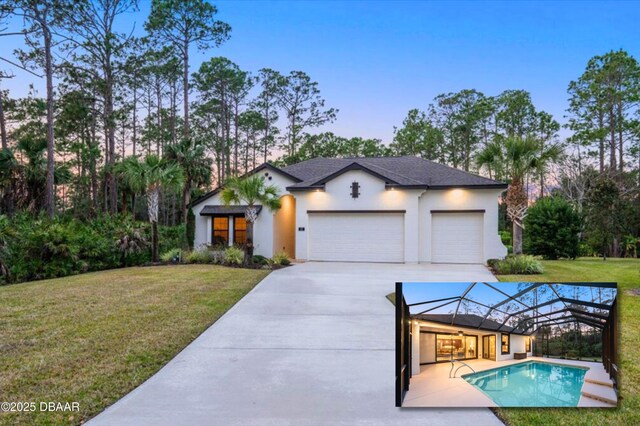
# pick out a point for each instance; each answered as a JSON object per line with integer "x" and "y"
{"x": 225, "y": 210}
{"x": 397, "y": 171}
{"x": 467, "y": 320}
{"x": 407, "y": 172}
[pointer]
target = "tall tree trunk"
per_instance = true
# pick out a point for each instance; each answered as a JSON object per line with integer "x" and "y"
{"x": 154, "y": 242}
{"x": 517, "y": 238}
{"x": 125, "y": 202}
{"x": 111, "y": 138}
{"x": 174, "y": 95}
{"x": 159, "y": 112}
{"x": 601, "y": 142}
{"x": 236, "y": 140}
{"x": 266, "y": 135}
{"x": 152, "y": 207}
{"x": 49, "y": 190}
{"x": 186, "y": 198}
{"x": 250, "y": 217}
{"x": 620, "y": 140}
{"x": 3, "y": 127}
{"x": 93, "y": 164}
{"x": 612, "y": 142}
{"x": 185, "y": 87}
{"x": 516, "y": 208}
{"x": 134, "y": 136}
{"x": 8, "y": 196}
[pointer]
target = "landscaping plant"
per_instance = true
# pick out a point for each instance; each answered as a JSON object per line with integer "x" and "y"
{"x": 553, "y": 229}
{"x": 281, "y": 258}
{"x": 150, "y": 176}
{"x": 234, "y": 256}
{"x": 173, "y": 255}
{"x": 518, "y": 264}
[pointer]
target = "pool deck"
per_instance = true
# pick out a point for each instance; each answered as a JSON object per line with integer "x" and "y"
{"x": 433, "y": 387}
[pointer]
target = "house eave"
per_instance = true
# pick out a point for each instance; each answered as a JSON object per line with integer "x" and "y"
{"x": 487, "y": 186}
{"x": 468, "y": 327}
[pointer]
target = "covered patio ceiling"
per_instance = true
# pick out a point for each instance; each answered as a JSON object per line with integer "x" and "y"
{"x": 519, "y": 308}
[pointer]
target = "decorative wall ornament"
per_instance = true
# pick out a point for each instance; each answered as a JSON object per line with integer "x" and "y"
{"x": 355, "y": 190}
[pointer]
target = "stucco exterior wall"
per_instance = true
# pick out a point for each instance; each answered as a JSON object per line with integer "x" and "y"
{"x": 462, "y": 199}
{"x": 284, "y": 230}
{"x": 518, "y": 344}
{"x": 262, "y": 229}
{"x": 373, "y": 196}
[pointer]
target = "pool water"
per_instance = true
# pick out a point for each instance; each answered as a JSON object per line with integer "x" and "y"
{"x": 531, "y": 384}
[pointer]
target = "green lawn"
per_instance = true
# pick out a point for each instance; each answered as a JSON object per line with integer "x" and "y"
{"x": 92, "y": 338}
{"x": 626, "y": 272}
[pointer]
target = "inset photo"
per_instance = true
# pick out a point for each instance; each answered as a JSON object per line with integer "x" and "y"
{"x": 508, "y": 344}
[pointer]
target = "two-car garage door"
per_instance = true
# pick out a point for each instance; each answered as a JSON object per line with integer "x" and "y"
{"x": 356, "y": 236}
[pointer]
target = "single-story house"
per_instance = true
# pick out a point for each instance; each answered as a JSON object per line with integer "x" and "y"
{"x": 472, "y": 337}
{"x": 385, "y": 209}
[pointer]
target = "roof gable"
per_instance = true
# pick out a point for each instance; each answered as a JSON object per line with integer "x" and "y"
{"x": 265, "y": 166}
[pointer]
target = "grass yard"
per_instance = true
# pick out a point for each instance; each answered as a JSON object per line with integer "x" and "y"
{"x": 92, "y": 338}
{"x": 626, "y": 272}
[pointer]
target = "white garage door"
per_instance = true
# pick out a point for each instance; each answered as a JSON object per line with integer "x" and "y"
{"x": 356, "y": 237}
{"x": 457, "y": 237}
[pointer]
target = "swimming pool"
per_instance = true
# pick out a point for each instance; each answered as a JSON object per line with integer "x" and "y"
{"x": 531, "y": 384}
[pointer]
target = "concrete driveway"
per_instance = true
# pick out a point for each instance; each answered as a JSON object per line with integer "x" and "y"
{"x": 311, "y": 344}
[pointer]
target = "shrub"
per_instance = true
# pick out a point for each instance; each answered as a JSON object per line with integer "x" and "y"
{"x": 172, "y": 255}
{"x": 200, "y": 255}
{"x": 552, "y": 229}
{"x": 259, "y": 260}
{"x": 130, "y": 241}
{"x": 49, "y": 252}
{"x": 492, "y": 263}
{"x": 281, "y": 258}
{"x": 172, "y": 236}
{"x": 234, "y": 255}
{"x": 586, "y": 250}
{"x": 519, "y": 264}
{"x": 38, "y": 248}
{"x": 505, "y": 236}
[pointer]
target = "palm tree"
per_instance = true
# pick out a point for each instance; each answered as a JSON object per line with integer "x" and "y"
{"x": 150, "y": 176}
{"x": 513, "y": 159}
{"x": 250, "y": 191}
{"x": 190, "y": 154}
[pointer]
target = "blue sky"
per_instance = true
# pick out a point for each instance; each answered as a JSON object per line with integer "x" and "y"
{"x": 376, "y": 60}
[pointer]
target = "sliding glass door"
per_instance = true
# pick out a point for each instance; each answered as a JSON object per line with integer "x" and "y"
{"x": 452, "y": 346}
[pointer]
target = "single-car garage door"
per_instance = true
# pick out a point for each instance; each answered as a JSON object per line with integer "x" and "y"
{"x": 356, "y": 237}
{"x": 457, "y": 237}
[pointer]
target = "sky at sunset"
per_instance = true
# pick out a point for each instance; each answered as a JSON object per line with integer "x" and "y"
{"x": 376, "y": 60}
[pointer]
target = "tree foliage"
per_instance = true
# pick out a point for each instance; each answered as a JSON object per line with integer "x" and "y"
{"x": 553, "y": 229}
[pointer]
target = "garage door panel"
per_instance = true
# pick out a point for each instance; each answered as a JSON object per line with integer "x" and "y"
{"x": 457, "y": 237}
{"x": 356, "y": 237}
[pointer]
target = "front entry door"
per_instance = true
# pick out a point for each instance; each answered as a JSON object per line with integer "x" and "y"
{"x": 489, "y": 347}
